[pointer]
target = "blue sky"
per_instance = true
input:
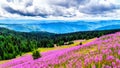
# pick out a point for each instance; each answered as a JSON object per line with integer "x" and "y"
{"x": 60, "y": 9}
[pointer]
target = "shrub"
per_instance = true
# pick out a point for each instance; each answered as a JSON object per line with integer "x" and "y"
{"x": 80, "y": 43}
{"x": 36, "y": 54}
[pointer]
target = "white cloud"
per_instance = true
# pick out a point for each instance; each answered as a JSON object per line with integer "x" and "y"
{"x": 60, "y": 9}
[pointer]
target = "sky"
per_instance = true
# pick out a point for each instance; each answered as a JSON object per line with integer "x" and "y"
{"x": 60, "y": 9}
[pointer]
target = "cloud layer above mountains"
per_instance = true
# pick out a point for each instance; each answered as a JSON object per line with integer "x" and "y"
{"x": 59, "y": 8}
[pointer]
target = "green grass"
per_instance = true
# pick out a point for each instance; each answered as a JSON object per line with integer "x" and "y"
{"x": 64, "y": 46}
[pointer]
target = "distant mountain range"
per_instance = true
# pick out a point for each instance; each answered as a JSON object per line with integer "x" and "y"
{"x": 109, "y": 27}
{"x": 60, "y": 26}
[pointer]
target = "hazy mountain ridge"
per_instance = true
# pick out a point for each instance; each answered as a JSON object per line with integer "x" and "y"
{"x": 62, "y": 26}
{"x": 109, "y": 27}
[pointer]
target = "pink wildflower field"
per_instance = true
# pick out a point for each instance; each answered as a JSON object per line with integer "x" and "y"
{"x": 104, "y": 52}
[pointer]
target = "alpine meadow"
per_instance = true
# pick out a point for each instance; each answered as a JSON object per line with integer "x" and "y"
{"x": 59, "y": 34}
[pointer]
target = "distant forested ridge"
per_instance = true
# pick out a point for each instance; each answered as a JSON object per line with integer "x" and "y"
{"x": 14, "y": 43}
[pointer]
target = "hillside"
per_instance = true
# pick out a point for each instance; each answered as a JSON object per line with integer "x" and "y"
{"x": 18, "y": 43}
{"x": 104, "y": 52}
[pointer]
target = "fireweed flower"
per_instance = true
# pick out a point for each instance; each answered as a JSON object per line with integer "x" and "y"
{"x": 107, "y": 66}
{"x": 98, "y": 58}
{"x": 113, "y": 64}
{"x": 71, "y": 58}
{"x": 119, "y": 52}
{"x": 110, "y": 58}
{"x": 106, "y": 51}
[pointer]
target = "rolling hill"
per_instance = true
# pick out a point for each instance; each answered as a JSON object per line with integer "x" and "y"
{"x": 17, "y": 43}
{"x": 103, "y": 52}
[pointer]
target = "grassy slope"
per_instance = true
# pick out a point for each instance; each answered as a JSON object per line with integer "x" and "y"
{"x": 76, "y": 42}
{"x": 92, "y": 51}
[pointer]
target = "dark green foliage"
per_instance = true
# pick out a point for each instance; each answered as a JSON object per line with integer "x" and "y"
{"x": 81, "y": 35}
{"x": 36, "y": 54}
{"x": 60, "y": 43}
{"x": 70, "y": 42}
{"x": 80, "y": 43}
{"x": 14, "y": 43}
{"x": 0, "y": 58}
